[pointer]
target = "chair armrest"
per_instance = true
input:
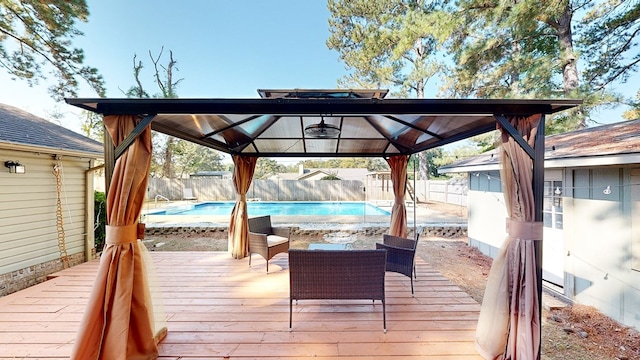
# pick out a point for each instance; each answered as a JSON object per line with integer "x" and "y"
{"x": 394, "y": 251}
{"x": 257, "y": 236}
{"x": 257, "y": 242}
{"x": 282, "y": 231}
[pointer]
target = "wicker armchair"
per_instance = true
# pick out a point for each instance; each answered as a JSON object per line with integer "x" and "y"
{"x": 401, "y": 254}
{"x": 265, "y": 240}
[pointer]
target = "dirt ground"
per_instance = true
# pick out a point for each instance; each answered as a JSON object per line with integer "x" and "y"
{"x": 569, "y": 332}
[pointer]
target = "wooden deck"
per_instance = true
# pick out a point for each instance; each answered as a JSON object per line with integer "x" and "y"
{"x": 218, "y": 308}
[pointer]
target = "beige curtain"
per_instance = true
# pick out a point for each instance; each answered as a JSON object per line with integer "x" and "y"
{"x": 238, "y": 244}
{"x": 118, "y": 322}
{"x": 398, "y": 223}
{"x": 508, "y": 327}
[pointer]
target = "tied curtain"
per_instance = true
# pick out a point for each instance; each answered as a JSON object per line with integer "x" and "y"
{"x": 509, "y": 323}
{"x": 398, "y": 224}
{"x": 238, "y": 243}
{"x": 118, "y": 322}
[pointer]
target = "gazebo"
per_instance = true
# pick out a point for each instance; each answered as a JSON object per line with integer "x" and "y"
{"x": 118, "y": 321}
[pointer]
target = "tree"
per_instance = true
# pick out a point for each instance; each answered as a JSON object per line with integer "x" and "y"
{"x": 36, "y": 37}
{"x": 332, "y": 176}
{"x": 164, "y": 146}
{"x": 434, "y": 159}
{"x": 190, "y": 158}
{"x": 634, "y": 112}
{"x": 92, "y": 126}
{"x": 386, "y": 43}
{"x": 266, "y": 167}
{"x": 609, "y": 42}
{"x": 522, "y": 49}
{"x": 371, "y": 164}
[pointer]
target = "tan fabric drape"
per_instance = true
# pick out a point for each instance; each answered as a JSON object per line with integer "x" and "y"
{"x": 398, "y": 223}
{"x": 118, "y": 322}
{"x": 238, "y": 244}
{"x": 508, "y": 327}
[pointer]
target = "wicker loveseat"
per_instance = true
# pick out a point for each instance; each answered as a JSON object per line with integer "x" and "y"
{"x": 337, "y": 274}
{"x": 265, "y": 240}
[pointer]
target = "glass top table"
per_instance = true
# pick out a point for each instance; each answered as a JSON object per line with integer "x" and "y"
{"x": 330, "y": 247}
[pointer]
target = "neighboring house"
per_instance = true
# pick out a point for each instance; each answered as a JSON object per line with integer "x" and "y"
{"x": 46, "y": 206}
{"x": 317, "y": 174}
{"x": 591, "y": 247}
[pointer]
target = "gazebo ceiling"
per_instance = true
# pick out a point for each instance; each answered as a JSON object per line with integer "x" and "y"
{"x": 367, "y": 124}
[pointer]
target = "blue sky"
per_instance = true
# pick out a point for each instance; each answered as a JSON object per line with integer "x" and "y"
{"x": 223, "y": 49}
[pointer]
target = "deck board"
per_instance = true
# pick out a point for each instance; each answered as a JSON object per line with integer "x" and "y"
{"x": 217, "y": 307}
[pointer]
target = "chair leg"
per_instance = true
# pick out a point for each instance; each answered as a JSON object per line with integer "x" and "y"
{"x": 384, "y": 317}
{"x": 249, "y": 259}
{"x": 411, "y": 285}
{"x": 267, "y": 266}
{"x": 291, "y": 312}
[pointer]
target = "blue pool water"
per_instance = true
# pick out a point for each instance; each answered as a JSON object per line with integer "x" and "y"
{"x": 259, "y": 208}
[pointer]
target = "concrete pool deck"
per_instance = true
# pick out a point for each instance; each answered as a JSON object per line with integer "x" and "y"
{"x": 424, "y": 216}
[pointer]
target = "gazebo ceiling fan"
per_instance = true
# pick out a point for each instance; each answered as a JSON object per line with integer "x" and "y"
{"x": 322, "y": 130}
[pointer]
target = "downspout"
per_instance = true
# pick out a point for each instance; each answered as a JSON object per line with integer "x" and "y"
{"x": 90, "y": 220}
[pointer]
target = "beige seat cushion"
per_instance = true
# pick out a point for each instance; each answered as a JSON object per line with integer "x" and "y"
{"x": 276, "y": 240}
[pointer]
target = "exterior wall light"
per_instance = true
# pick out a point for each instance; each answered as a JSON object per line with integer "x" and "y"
{"x": 15, "y": 167}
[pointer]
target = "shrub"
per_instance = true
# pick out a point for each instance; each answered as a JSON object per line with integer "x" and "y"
{"x": 100, "y": 213}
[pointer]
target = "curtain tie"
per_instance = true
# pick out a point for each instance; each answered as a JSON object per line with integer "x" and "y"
{"x": 121, "y": 234}
{"x": 524, "y": 230}
{"x": 242, "y": 197}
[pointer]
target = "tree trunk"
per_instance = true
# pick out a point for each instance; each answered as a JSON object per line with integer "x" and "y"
{"x": 568, "y": 57}
{"x": 167, "y": 170}
{"x": 565, "y": 40}
{"x": 423, "y": 160}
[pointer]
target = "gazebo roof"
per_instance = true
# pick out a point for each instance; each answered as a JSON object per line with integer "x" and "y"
{"x": 364, "y": 122}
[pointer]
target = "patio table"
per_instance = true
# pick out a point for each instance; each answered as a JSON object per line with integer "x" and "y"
{"x": 330, "y": 247}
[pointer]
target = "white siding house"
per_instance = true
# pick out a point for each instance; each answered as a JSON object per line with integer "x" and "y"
{"x": 591, "y": 247}
{"x": 49, "y": 207}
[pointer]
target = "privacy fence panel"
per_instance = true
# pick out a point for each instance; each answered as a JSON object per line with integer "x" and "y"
{"x": 216, "y": 189}
{"x": 453, "y": 191}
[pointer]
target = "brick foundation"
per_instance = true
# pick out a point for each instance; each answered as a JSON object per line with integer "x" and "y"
{"x": 35, "y": 274}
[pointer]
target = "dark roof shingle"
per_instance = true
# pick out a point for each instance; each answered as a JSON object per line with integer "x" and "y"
{"x": 20, "y": 127}
{"x": 611, "y": 139}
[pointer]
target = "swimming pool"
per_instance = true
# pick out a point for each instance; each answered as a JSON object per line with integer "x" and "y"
{"x": 291, "y": 208}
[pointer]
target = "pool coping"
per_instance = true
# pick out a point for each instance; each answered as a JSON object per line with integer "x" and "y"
{"x": 423, "y": 216}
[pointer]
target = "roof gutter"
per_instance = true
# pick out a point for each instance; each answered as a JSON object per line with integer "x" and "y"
{"x": 51, "y": 150}
{"x": 551, "y": 163}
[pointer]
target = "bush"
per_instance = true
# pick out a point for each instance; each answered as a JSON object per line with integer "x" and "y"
{"x": 330, "y": 177}
{"x": 100, "y": 213}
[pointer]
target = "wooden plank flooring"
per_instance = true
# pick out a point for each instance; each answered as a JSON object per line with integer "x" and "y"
{"x": 219, "y": 308}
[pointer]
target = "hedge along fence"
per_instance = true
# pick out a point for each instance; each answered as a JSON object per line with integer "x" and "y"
{"x": 216, "y": 189}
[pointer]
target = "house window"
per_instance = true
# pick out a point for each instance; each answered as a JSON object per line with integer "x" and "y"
{"x": 552, "y": 210}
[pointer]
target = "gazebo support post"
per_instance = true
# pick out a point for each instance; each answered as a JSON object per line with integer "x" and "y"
{"x": 109, "y": 159}
{"x": 538, "y": 196}
{"x": 111, "y": 153}
{"x": 537, "y": 157}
